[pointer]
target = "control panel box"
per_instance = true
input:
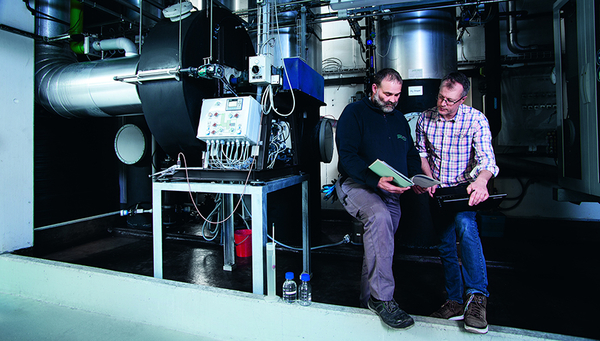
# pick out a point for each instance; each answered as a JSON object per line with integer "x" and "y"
{"x": 260, "y": 70}
{"x": 230, "y": 119}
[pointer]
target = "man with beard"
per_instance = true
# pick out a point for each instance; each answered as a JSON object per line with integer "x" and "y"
{"x": 455, "y": 144}
{"x": 368, "y": 130}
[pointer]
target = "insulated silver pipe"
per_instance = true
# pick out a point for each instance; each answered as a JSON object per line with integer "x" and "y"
{"x": 59, "y": 10}
{"x": 73, "y": 89}
{"x": 88, "y": 89}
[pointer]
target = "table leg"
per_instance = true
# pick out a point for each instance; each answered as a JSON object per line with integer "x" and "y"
{"x": 305, "y": 230}
{"x": 259, "y": 234}
{"x": 228, "y": 231}
{"x": 157, "y": 231}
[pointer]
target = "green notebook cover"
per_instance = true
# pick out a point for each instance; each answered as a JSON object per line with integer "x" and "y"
{"x": 382, "y": 169}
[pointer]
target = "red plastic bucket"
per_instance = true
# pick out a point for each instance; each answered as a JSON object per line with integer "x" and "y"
{"x": 243, "y": 242}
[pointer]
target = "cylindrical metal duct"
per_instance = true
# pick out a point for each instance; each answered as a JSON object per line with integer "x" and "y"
{"x": 60, "y": 11}
{"x": 421, "y": 46}
{"x": 74, "y": 89}
{"x": 86, "y": 89}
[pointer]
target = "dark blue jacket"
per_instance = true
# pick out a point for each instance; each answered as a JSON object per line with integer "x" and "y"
{"x": 365, "y": 133}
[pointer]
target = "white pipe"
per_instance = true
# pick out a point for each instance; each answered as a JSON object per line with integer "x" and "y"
{"x": 116, "y": 44}
{"x": 77, "y": 221}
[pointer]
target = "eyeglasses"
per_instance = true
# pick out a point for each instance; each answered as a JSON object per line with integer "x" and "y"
{"x": 448, "y": 101}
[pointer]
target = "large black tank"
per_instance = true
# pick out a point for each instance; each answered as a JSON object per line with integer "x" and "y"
{"x": 172, "y": 107}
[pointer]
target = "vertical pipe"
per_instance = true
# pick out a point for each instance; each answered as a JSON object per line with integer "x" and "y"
{"x": 77, "y": 26}
{"x": 122, "y": 176}
{"x": 56, "y": 9}
{"x": 371, "y": 69}
{"x": 493, "y": 72}
{"x": 305, "y": 229}
{"x": 303, "y": 49}
{"x": 266, "y": 21}
{"x": 141, "y": 19}
{"x": 210, "y": 32}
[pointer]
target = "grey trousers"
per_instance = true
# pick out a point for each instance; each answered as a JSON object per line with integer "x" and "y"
{"x": 380, "y": 214}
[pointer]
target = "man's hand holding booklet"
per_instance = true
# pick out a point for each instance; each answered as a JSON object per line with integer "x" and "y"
{"x": 382, "y": 169}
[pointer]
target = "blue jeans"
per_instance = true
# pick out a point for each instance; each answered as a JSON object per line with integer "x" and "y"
{"x": 464, "y": 227}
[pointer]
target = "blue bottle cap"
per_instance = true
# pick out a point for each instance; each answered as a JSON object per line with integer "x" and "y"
{"x": 305, "y": 277}
{"x": 289, "y": 275}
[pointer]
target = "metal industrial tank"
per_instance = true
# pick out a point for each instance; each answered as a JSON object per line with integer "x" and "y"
{"x": 421, "y": 45}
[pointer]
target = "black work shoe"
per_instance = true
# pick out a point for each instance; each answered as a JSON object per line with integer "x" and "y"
{"x": 390, "y": 313}
{"x": 475, "y": 314}
{"x": 451, "y": 310}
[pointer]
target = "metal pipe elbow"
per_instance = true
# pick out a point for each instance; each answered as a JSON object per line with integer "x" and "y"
{"x": 116, "y": 44}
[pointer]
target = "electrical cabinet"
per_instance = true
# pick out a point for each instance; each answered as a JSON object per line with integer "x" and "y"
{"x": 577, "y": 53}
{"x": 230, "y": 120}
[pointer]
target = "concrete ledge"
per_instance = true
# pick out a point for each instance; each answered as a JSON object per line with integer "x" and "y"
{"x": 212, "y": 312}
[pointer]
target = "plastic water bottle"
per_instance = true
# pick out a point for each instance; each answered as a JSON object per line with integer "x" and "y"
{"x": 289, "y": 288}
{"x": 305, "y": 290}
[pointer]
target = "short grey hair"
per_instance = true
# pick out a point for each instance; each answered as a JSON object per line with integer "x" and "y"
{"x": 457, "y": 77}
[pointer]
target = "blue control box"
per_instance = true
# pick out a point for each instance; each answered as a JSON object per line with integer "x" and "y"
{"x": 303, "y": 78}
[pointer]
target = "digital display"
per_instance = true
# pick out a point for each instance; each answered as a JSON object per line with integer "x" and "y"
{"x": 234, "y": 104}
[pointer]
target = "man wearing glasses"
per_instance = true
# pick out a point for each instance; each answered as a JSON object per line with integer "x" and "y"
{"x": 455, "y": 145}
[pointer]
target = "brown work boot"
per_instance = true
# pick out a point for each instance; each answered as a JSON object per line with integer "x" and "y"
{"x": 475, "y": 314}
{"x": 451, "y": 310}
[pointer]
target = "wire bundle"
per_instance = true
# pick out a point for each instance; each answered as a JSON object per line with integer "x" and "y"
{"x": 280, "y": 132}
{"x": 229, "y": 154}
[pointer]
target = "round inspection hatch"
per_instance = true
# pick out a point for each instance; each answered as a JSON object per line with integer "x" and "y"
{"x": 130, "y": 144}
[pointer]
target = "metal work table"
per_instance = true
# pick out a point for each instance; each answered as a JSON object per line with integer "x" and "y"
{"x": 258, "y": 194}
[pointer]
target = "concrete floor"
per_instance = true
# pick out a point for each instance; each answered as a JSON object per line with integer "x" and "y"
{"x": 533, "y": 280}
{"x": 25, "y": 319}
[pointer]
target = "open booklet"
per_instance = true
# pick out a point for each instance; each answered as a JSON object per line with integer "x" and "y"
{"x": 382, "y": 169}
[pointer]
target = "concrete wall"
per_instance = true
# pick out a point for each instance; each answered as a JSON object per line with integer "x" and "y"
{"x": 16, "y": 129}
{"x": 213, "y": 313}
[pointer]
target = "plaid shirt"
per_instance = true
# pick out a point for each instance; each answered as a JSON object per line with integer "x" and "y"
{"x": 458, "y": 149}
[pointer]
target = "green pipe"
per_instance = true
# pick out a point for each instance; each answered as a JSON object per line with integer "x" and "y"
{"x": 77, "y": 26}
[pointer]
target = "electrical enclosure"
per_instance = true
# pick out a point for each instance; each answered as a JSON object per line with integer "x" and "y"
{"x": 230, "y": 119}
